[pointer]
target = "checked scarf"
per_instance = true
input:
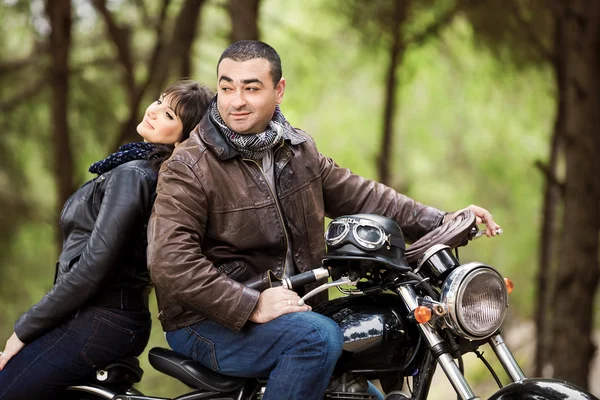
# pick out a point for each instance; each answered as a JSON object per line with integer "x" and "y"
{"x": 255, "y": 145}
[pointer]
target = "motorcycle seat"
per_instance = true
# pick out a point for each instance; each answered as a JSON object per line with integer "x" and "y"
{"x": 190, "y": 372}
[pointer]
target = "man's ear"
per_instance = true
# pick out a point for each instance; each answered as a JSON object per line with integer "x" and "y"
{"x": 280, "y": 90}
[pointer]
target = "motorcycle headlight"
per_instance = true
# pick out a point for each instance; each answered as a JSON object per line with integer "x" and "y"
{"x": 476, "y": 299}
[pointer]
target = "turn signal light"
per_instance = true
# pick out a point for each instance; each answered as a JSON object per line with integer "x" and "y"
{"x": 509, "y": 285}
{"x": 422, "y": 314}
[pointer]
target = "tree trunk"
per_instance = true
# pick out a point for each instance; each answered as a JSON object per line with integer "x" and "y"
{"x": 548, "y": 240}
{"x": 59, "y": 15}
{"x": 244, "y": 19}
{"x": 578, "y": 272}
{"x": 185, "y": 36}
{"x": 169, "y": 54}
{"x": 391, "y": 82}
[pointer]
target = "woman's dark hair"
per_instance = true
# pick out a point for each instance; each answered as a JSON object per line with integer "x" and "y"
{"x": 189, "y": 100}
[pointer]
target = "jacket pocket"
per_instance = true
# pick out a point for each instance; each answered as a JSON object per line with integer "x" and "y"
{"x": 73, "y": 261}
{"x": 233, "y": 269}
{"x": 91, "y": 191}
{"x": 56, "y": 268}
{"x": 203, "y": 349}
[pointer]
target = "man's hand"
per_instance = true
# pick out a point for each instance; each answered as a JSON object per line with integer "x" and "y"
{"x": 13, "y": 346}
{"x": 275, "y": 302}
{"x": 483, "y": 217}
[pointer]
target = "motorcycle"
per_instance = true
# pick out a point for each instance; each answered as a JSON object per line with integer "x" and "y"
{"x": 403, "y": 313}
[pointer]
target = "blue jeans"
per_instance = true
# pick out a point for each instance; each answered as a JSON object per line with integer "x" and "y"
{"x": 296, "y": 351}
{"x": 71, "y": 352}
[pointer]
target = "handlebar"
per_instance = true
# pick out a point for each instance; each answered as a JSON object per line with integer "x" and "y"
{"x": 298, "y": 281}
{"x": 268, "y": 280}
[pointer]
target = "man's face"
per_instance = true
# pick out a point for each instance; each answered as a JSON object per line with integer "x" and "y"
{"x": 246, "y": 95}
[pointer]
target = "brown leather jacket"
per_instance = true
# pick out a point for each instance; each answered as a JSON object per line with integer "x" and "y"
{"x": 216, "y": 223}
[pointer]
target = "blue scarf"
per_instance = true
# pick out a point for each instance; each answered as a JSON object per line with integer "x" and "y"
{"x": 127, "y": 152}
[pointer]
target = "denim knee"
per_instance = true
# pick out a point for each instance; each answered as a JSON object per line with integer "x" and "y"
{"x": 329, "y": 334}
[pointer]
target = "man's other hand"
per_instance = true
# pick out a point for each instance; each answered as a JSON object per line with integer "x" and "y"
{"x": 275, "y": 302}
{"x": 483, "y": 217}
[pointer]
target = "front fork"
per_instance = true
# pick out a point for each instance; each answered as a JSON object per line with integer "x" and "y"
{"x": 439, "y": 349}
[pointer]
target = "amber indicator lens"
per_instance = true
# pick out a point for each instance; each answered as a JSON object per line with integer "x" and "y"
{"x": 422, "y": 314}
{"x": 509, "y": 285}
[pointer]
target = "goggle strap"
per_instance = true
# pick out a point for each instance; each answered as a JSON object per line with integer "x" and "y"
{"x": 396, "y": 241}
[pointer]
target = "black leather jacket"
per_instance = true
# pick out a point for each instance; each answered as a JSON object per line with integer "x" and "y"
{"x": 104, "y": 247}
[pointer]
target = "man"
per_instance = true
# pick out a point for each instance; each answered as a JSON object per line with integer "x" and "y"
{"x": 245, "y": 194}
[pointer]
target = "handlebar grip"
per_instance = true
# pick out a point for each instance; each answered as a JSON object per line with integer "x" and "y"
{"x": 263, "y": 281}
{"x": 298, "y": 281}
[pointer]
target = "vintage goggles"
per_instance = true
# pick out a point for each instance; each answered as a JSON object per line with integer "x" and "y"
{"x": 363, "y": 233}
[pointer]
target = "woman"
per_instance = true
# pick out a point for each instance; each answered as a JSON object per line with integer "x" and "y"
{"x": 97, "y": 311}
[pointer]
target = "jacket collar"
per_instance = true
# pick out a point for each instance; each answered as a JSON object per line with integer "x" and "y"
{"x": 215, "y": 141}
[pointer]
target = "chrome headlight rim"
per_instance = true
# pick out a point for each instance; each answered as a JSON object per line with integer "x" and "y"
{"x": 453, "y": 289}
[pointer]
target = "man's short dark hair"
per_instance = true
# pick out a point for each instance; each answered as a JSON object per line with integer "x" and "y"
{"x": 245, "y": 50}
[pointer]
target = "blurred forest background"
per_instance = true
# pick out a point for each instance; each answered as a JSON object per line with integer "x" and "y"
{"x": 452, "y": 102}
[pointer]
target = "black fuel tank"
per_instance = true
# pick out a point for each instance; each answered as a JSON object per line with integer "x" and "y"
{"x": 377, "y": 335}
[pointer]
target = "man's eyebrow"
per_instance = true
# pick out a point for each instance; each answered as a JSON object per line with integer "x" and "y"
{"x": 251, "y": 80}
{"x": 244, "y": 81}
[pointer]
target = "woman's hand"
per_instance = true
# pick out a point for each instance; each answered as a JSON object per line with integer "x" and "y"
{"x": 483, "y": 217}
{"x": 13, "y": 346}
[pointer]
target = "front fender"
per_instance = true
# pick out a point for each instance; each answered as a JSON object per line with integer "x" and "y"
{"x": 542, "y": 389}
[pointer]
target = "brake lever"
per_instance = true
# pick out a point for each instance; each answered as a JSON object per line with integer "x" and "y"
{"x": 344, "y": 280}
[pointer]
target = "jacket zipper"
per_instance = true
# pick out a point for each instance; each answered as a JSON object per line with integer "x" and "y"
{"x": 277, "y": 206}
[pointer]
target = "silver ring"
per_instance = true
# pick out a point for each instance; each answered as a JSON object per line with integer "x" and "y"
{"x": 2, "y": 354}
{"x": 289, "y": 302}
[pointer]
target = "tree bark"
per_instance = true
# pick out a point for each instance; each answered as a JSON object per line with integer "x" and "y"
{"x": 396, "y": 54}
{"x": 578, "y": 272}
{"x": 552, "y": 199}
{"x": 59, "y": 15}
{"x": 244, "y": 19}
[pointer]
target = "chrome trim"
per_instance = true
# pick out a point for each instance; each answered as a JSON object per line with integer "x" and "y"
{"x": 452, "y": 288}
{"x": 335, "y": 240}
{"x": 321, "y": 273}
{"x": 506, "y": 358}
{"x": 344, "y": 280}
{"x": 456, "y": 378}
{"x": 356, "y": 222}
{"x": 107, "y": 394}
{"x": 410, "y": 298}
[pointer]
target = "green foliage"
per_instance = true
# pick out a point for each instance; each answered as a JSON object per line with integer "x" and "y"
{"x": 469, "y": 128}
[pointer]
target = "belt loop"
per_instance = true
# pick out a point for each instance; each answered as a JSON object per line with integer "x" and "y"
{"x": 123, "y": 300}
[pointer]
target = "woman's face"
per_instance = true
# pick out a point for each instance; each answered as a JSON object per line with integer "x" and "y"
{"x": 160, "y": 123}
